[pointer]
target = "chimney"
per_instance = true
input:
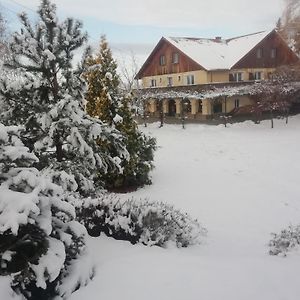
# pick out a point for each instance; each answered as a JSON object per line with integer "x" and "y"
{"x": 218, "y": 39}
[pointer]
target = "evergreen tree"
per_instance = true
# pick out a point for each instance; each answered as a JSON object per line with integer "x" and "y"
{"x": 40, "y": 243}
{"x": 46, "y": 96}
{"x": 103, "y": 85}
{"x": 105, "y": 100}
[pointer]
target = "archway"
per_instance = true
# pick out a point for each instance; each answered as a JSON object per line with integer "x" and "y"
{"x": 172, "y": 108}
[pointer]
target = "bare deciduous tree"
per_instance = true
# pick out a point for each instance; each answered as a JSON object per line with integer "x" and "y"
{"x": 289, "y": 24}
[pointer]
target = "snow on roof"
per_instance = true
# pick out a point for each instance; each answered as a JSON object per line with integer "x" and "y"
{"x": 217, "y": 54}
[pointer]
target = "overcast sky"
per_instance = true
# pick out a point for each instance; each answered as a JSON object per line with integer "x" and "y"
{"x": 137, "y": 25}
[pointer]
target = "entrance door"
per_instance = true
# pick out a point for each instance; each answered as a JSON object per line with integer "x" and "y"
{"x": 172, "y": 108}
{"x": 217, "y": 107}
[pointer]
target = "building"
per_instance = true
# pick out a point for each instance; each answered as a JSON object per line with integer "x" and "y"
{"x": 181, "y": 74}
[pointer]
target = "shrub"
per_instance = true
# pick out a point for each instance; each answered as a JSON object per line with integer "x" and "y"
{"x": 285, "y": 241}
{"x": 41, "y": 244}
{"x": 150, "y": 223}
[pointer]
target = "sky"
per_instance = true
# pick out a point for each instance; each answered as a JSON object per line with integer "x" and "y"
{"x": 135, "y": 26}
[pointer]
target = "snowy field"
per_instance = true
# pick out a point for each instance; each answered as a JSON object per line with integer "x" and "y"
{"x": 241, "y": 183}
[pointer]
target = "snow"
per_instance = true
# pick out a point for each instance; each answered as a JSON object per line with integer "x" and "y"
{"x": 241, "y": 183}
{"x": 50, "y": 264}
{"x": 212, "y": 54}
{"x": 16, "y": 209}
{"x": 117, "y": 119}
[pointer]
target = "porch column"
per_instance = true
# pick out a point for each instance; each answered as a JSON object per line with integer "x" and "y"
{"x": 166, "y": 106}
{"x": 225, "y": 104}
{"x": 194, "y": 106}
{"x": 152, "y": 106}
{"x": 178, "y": 106}
{"x": 206, "y": 107}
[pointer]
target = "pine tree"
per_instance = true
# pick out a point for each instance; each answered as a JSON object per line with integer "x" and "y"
{"x": 40, "y": 243}
{"x": 106, "y": 101}
{"x": 46, "y": 96}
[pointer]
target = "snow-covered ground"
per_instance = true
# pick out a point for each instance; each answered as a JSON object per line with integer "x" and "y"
{"x": 241, "y": 183}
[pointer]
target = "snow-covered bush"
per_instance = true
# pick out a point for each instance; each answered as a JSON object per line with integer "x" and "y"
{"x": 150, "y": 223}
{"x": 41, "y": 244}
{"x": 285, "y": 241}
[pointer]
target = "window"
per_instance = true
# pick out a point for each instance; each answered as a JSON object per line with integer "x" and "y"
{"x": 237, "y": 76}
{"x": 273, "y": 53}
{"x": 175, "y": 58}
{"x": 153, "y": 83}
{"x": 258, "y": 76}
{"x": 179, "y": 78}
{"x": 190, "y": 79}
{"x": 237, "y": 103}
{"x": 162, "y": 60}
{"x": 259, "y": 53}
{"x": 170, "y": 81}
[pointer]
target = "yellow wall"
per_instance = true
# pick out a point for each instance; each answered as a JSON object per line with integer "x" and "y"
{"x": 230, "y": 102}
{"x": 265, "y": 72}
{"x": 207, "y": 105}
{"x": 179, "y": 79}
{"x": 202, "y": 77}
{"x": 218, "y": 76}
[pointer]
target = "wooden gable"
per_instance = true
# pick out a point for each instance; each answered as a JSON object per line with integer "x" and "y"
{"x": 271, "y": 52}
{"x": 153, "y": 66}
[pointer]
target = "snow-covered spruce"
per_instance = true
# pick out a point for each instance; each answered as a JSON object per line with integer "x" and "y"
{"x": 46, "y": 96}
{"x": 42, "y": 247}
{"x": 140, "y": 221}
{"x": 285, "y": 241}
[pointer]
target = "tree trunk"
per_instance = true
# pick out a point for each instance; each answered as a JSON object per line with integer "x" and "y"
{"x": 161, "y": 114}
{"x": 144, "y": 116}
{"x": 272, "y": 121}
{"x": 59, "y": 150}
{"x": 287, "y": 116}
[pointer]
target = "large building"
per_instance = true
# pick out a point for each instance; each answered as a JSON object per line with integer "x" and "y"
{"x": 181, "y": 69}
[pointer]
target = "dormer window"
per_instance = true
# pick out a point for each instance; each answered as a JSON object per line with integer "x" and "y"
{"x": 175, "y": 58}
{"x": 259, "y": 53}
{"x": 162, "y": 60}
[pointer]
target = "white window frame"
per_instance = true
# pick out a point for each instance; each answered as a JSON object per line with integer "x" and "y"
{"x": 273, "y": 52}
{"x": 258, "y": 75}
{"x": 170, "y": 81}
{"x": 259, "y": 53}
{"x": 236, "y": 103}
{"x": 153, "y": 83}
{"x": 162, "y": 60}
{"x": 238, "y": 76}
{"x": 190, "y": 79}
{"x": 175, "y": 57}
